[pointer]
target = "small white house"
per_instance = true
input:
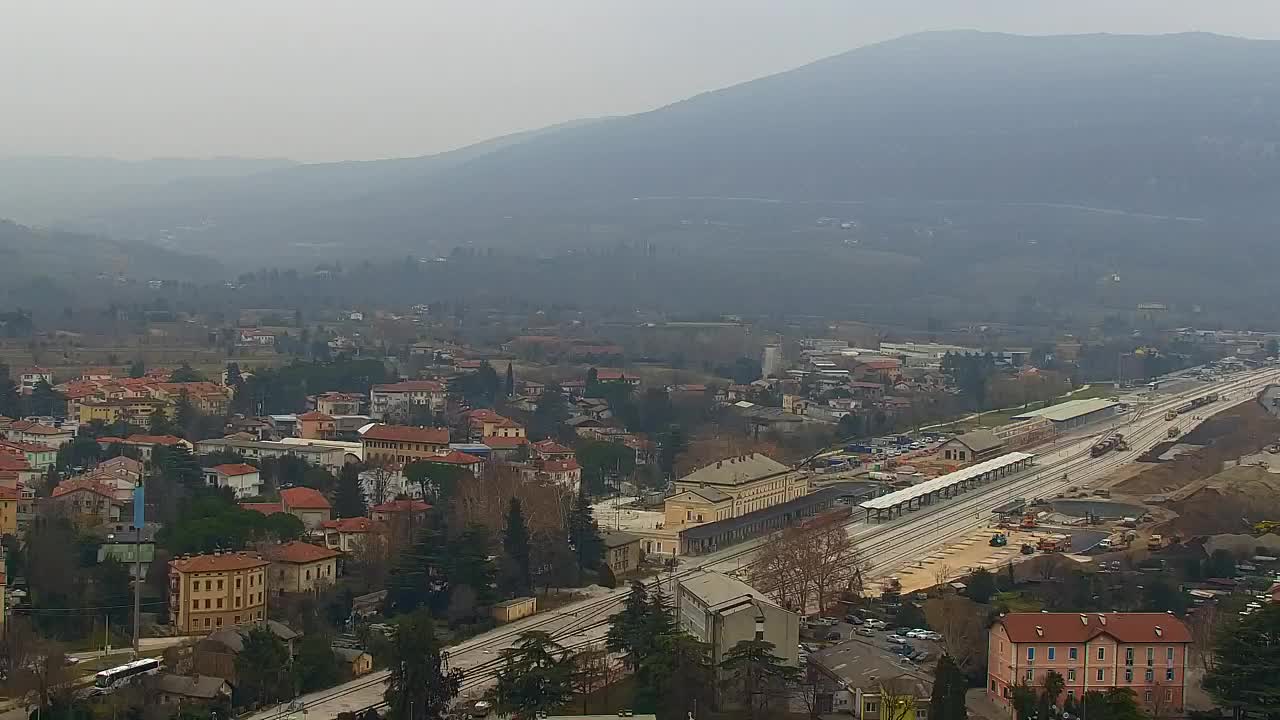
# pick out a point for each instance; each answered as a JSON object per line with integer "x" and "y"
{"x": 242, "y": 478}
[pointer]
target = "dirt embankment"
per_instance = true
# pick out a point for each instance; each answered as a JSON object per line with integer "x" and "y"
{"x": 1242, "y": 430}
{"x": 1229, "y": 502}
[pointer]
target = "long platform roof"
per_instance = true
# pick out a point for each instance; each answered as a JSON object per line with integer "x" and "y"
{"x": 899, "y": 497}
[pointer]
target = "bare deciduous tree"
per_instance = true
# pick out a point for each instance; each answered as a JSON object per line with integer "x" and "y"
{"x": 960, "y": 622}
{"x": 1203, "y": 624}
{"x": 816, "y": 563}
{"x": 941, "y": 574}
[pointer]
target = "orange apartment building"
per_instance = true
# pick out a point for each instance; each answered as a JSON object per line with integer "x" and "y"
{"x": 211, "y": 592}
{"x": 1093, "y": 652}
{"x": 402, "y": 443}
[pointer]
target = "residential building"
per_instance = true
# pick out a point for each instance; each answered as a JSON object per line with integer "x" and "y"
{"x": 403, "y": 510}
{"x": 551, "y": 450}
{"x": 9, "y": 499}
{"x": 732, "y": 487}
{"x": 306, "y": 504}
{"x": 622, "y": 551}
{"x": 144, "y": 444}
{"x": 256, "y": 337}
{"x": 29, "y": 431}
{"x": 300, "y": 567}
{"x": 337, "y": 403}
{"x": 29, "y": 378}
{"x": 243, "y": 479}
{"x": 38, "y": 456}
{"x": 852, "y": 677}
{"x": 470, "y": 463}
{"x": 330, "y": 456}
{"x": 168, "y": 690}
{"x": 135, "y": 411}
{"x": 347, "y": 534}
{"x": 88, "y": 502}
{"x": 399, "y": 400}
{"x": 722, "y": 611}
{"x": 316, "y": 425}
{"x": 358, "y": 662}
{"x": 505, "y": 448}
{"x": 210, "y": 592}
{"x": 124, "y": 548}
{"x": 1142, "y": 652}
{"x": 215, "y": 655}
{"x": 402, "y": 443}
{"x": 771, "y": 361}
{"x": 611, "y": 375}
{"x": 971, "y": 447}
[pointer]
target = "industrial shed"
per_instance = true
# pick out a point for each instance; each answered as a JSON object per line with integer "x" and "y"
{"x": 1073, "y": 413}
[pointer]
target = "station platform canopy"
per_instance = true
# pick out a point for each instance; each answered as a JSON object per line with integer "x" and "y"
{"x": 928, "y": 487}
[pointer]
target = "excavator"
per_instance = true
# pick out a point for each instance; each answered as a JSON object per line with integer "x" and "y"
{"x": 1265, "y": 527}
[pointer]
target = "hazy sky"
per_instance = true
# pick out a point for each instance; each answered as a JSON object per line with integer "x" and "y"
{"x": 324, "y": 80}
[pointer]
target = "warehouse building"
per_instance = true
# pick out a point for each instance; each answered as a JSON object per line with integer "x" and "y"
{"x": 1074, "y": 413}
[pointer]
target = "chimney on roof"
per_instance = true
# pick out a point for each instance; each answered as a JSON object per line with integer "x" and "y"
{"x": 1040, "y": 630}
{"x": 1159, "y": 631}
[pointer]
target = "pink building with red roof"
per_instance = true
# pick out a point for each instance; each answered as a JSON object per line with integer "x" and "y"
{"x": 1145, "y": 653}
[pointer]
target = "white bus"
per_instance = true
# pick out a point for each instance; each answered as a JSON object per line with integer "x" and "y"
{"x": 115, "y": 677}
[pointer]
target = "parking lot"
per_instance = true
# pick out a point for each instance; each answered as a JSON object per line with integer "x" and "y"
{"x": 820, "y": 637}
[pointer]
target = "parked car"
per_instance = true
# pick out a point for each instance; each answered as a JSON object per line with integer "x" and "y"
{"x": 834, "y": 636}
{"x": 914, "y": 635}
{"x": 853, "y": 619}
{"x": 905, "y": 650}
{"x": 875, "y": 624}
{"x": 934, "y": 636}
{"x": 865, "y": 632}
{"x": 896, "y": 639}
{"x": 810, "y": 647}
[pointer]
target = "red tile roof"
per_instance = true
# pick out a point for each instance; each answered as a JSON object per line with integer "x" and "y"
{"x": 67, "y": 487}
{"x": 168, "y": 440}
{"x": 403, "y": 505}
{"x": 218, "y": 563}
{"x": 454, "y": 457}
{"x": 405, "y": 433}
{"x": 505, "y": 443}
{"x": 8, "y": 493}
{"x": 12, "y": 462}
{"x": 551, "y": 447}
{"x": 1082, "y": 627}
{"x": 266, "y": 508}
{"x": 560, "y": 465}
{"x": 411, "y": 386}
{"x": 317, "y": 416}
{"x": 234, "y": 469}
{"x": 481, "y": 415}
{"x": 609, "y": 374}
{"x": 34, "y": 428}
{"x": 349, "y": 525}
{"x": 24, "y": 447}
{"x": 298, "y": 552}
{"x": 303, "y": 498}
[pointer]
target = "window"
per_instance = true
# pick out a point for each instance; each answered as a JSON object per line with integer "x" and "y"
{"x": 195, "y": 604}
{"x": 237, "y": 620}
{"x": 1071, "y": 675}
{"x": 1031, "y": 675}
{"x": 237, "y": 583}
{"x": 1102, "y": 653}
{"x": 1147, "y": 696}
{"x": 993, "y": 686}
{"x": 1128, "y": 656}
{"x": 1031, "y": 654}
{"x": 1168, "y": 655}
{"x": 1073, "y": 653}
{"x": 219, "y": 584}
{"x": 237, "y": 601}
{"x": 218, "y": 622}
{"x": 207, "y": 604}
{"x": 1168, "y": 674}
{"x": 1168, "y": 696}
{"x": 219, "y": 603}
{"x": 208, "y": 584}
{"x": 1101, "y": 676}
{"x": 308, "y": 574}
{"x": 1071, "y": 694}
{"x": 872, "y": 706}
{"x": 1149, "y": 675}
{"x": 1128, "y": 674}
{"x": 922, "y": 713}
{"x": 1151, "y": 656}
{"x": 206, "y": 622}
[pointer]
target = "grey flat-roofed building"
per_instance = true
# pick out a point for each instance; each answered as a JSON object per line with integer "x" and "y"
{"x": 1073, "y": 413}
{"x": 723, "y": 611}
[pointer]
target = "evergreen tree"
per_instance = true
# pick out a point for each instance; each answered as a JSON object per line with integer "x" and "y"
{"x": 233, "y": 375}
{"x": 515, "y": 542}
{"x": 185, "y": 374}
{"x": 677, "y": 678}
{"x": 1247, "y": 654}
{"x": 536, "y": 677}
{"x": 263, "y": 668}
{"x": 549, "y": 414}
{"x": 44, "y": 400}
{"x": 949, "y": 687}
{"x": 981, "y": 585}
{"x": 584, "y": 533}
{"x": 137, "y": 369}
{"x": 348, "y": 501}
{"x": 673, "y": 443}
{"x": 628, "y": 629}
{"x": 418, "y": 578}
{"x": 660, "y": 620}
{"x": 185, "y": 415}
{"x": 470, "y": 567}
{"x": 10, "y": 401}
{"x": 752, "y": 673}
{"x": 177, "y": 464}
{"x": 418, "y": 688}
{"x": 511, "y": 381}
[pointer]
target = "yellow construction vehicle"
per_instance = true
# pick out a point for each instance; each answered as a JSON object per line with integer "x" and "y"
{"x": 1266, "y": 527}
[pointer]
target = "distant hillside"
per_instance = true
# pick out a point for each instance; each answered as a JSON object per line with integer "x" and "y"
{"x": 62, "y": 268}
{"x": 998, "y": 173}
